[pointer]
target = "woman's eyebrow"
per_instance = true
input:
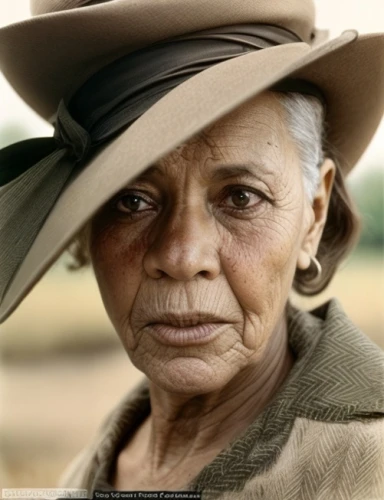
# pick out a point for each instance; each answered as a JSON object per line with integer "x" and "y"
{"x": 243, "y": 170}
{"x": 219, "y": 173}
{"x": 152, "y": 170}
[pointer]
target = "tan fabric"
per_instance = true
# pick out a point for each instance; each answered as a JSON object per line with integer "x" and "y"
{"x": 323, "y": 460}
{"x": 321, "y": 437}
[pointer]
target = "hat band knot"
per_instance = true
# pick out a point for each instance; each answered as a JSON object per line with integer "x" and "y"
{"x": 70, "y": 135}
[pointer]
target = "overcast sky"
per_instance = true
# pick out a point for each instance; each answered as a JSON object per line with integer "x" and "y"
{"x": 336, "y": 15}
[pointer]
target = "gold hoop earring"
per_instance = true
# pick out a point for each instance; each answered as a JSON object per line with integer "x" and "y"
{"x": 318, "y": 267}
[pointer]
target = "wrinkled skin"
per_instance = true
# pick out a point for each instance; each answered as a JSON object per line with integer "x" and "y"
{"x": 217, "y": 227}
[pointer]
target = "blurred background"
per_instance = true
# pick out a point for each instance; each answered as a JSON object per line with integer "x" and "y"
{"x": 62, "y": 369}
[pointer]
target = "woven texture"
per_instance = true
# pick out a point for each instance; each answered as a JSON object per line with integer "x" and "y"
{"x": 321, "y": 437}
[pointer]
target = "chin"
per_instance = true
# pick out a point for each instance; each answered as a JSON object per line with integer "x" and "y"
{"x": 187, "y": 376}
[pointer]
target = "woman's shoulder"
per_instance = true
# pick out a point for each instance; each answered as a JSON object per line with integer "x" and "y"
{"x": 346, "y": 447}
{"x": 325, "y": 460}
{"x": 339, "y": 371}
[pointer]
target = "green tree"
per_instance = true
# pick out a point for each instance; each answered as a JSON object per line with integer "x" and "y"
{"x": 367, "y": 191}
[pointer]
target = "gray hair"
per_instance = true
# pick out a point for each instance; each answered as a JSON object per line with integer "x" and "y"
{"x": 305, "y": 116}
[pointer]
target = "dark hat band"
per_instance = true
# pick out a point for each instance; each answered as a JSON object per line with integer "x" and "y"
{"x": 122, "y": 91}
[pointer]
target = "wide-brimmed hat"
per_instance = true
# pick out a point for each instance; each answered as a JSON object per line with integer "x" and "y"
{"x": 51, "y": 58}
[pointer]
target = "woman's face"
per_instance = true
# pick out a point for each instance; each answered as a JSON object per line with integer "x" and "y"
{"x": 195, "y": 258}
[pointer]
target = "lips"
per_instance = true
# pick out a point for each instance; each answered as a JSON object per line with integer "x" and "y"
{"x": 187, "y": 329}
{"x": 186, "y": 320}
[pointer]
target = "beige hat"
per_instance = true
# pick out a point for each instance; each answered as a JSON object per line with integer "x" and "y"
{"x": 51, "y": 188}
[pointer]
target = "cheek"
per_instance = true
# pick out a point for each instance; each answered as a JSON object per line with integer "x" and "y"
{"x": 259, "y": 262}
{"x": 117, "y": 256}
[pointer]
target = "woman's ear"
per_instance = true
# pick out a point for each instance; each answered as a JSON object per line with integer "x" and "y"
{"x": 319, "y": 208}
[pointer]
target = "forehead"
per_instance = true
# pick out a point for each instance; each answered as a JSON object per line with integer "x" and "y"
{"x": 256, "y": 131}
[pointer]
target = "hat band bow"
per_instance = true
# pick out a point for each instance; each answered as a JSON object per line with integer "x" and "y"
{"x": 70, "y": 136}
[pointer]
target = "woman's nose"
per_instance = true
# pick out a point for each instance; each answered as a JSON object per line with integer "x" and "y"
{"x": 184, "y": 247}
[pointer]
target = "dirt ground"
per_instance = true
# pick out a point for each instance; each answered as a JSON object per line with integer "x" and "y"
{"x": 52, "y": 410}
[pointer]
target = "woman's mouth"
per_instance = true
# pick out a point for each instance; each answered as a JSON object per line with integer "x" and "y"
{"x": 200, "y": 333}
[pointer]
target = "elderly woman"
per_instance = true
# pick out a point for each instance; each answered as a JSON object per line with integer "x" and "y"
{"x": 198, "y": 164}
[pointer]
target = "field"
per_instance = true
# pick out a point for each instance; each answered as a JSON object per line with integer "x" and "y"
{"x": 63, "y": 368}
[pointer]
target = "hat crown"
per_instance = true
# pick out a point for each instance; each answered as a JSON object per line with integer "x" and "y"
{"x": 297, "y": 16}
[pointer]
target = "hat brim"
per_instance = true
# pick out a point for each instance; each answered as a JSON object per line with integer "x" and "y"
{"x": 346, "y": 69}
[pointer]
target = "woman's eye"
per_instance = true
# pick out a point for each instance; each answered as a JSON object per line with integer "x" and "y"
{"x": 131, "y": 203}
{"x": 239, "y": 198}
